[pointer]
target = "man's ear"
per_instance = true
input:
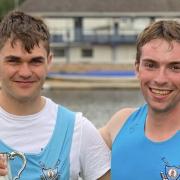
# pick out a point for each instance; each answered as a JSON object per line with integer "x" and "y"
{"x": 136, "y": 65}
{"x": 49, "y": 60}
{"x": 50, "y": 56}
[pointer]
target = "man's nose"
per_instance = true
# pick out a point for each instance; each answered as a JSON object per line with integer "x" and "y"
{"x": 161, "y": 77}
{"x": 25, "y": 70}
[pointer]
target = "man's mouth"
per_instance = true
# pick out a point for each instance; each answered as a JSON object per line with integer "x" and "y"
{"x": 161, "y": 92}
{"x": 30, "y": 81}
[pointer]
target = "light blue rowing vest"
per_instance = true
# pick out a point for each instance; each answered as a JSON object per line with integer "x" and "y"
{"x": 135, "y": 157}
{"x": 53, "y": 163}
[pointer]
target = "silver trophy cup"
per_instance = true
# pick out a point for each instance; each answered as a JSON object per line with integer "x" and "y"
{"x": 12, "y": 156}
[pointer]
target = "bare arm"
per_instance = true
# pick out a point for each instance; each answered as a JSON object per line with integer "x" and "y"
{"x": 106, "y": 176}
{"x": 3, "y": 165}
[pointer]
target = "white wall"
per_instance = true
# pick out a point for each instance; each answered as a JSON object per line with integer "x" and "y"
{"x": 61, "y": 26}
{"x": 126, "y": 54}
{"x": 102, "y": 54}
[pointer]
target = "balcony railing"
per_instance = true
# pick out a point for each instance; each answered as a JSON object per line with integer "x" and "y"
{"x": 93, "y": 37}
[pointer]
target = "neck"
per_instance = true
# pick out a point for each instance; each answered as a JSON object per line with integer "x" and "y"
{"x": 22, "y": 108}
{"x": 162, "y": 126}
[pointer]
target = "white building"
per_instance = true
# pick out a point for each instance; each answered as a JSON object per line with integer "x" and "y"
{"x": 105, "y": 31}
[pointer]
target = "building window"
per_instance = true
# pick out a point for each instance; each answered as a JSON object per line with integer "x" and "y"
{"x": 87, "y": 52}
{"x": 59, "y": 52}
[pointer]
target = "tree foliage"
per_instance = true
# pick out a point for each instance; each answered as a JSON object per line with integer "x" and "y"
{"x": 7, "y": 5}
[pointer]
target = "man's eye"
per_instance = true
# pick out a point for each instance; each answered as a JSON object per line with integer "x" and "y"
{"x": 13, "y": 61}
{"x": 175, "y": 68}
{"x": 36, "y": 62}
{"x": 149, "y": 65}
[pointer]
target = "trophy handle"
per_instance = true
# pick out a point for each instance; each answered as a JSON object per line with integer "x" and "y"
{"x": 12, "y": 155}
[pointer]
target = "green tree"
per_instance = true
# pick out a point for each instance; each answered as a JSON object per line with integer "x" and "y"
{"x": 7, "y": 5}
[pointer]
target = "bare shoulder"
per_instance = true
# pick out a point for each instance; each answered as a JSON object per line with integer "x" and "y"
{"x": 117, "y": 121}
{"x": 111, "y": 129}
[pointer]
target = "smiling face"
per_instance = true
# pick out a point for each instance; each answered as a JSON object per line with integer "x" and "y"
{"x": 159, "y": 75}
{"x": 22, "y": 74}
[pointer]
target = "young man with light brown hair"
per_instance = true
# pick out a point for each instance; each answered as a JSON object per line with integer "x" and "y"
{"x": 146, "y": 141}
{"x": 56, "y": 142}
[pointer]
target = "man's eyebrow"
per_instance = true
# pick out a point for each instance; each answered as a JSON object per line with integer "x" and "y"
{"x": 148, "y": 60}
{"x": 38, "y": 58}
{"x": 18, "y": 58}
{"x": 175, "y": 63}
{"x": 12, "y": 57}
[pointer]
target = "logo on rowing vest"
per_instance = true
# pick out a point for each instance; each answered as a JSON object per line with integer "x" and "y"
{"x": 50, "y": 173}
{"x": 170, "y": 172}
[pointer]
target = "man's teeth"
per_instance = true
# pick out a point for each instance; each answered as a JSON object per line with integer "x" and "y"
{"x": 160, "y": 92}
